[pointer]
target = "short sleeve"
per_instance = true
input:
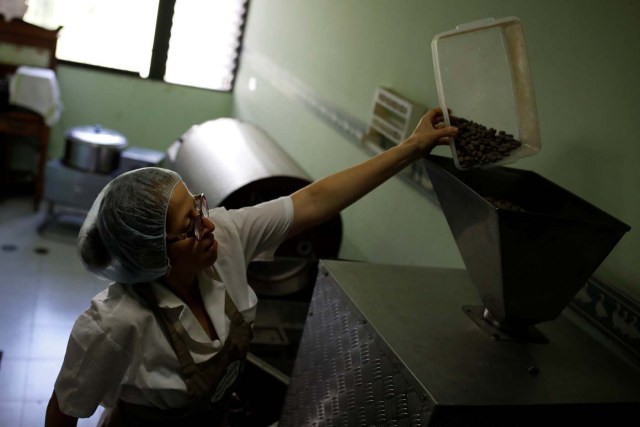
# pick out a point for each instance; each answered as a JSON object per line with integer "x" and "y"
{"x": 263, "y": 227}
{"x": 93, "y": 368}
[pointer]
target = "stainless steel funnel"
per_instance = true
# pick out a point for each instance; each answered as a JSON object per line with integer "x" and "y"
{"x": 526, "y": 265}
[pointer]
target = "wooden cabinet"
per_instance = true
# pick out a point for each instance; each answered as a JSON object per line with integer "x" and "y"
{"x": 19, "y": 123}
{"x": 21, "y": 36}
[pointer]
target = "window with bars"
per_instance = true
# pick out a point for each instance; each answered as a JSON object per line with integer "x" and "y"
{"x": 187, "y": 42}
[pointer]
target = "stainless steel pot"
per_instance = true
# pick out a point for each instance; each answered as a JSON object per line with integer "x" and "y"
{"x": 93, "y": 148}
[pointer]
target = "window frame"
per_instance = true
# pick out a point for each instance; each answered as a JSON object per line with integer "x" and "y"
{"x": 160, "y": 50}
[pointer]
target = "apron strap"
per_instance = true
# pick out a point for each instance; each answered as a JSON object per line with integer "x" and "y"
{"x": 202, "y": 380}
{"x": 177, "y": 343}
{"x": 196, "y": 383}
{"x": 231, "y": 310}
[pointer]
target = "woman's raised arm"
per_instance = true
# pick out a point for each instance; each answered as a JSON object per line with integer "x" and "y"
{"x": 324, "y": 198}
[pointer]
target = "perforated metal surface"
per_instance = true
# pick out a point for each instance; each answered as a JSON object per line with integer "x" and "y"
{"x": 344, "y": 375}
{"x": 418, "y": 359}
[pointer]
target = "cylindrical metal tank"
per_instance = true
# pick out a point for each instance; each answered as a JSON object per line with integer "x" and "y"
{"x": 237, "y": 164}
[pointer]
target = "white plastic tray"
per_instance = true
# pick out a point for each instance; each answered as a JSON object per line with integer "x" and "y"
{"x": 482, "y": 74}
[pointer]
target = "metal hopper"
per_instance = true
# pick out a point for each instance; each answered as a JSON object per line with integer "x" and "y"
{"x": 526, "y": 264}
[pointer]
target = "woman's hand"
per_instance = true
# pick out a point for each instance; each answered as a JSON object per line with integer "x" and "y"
{"x": 430, "y": 132}
{"x": 238, "y": 339}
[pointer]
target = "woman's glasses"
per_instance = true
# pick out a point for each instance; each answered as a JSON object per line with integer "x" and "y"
{"x": 197, "y": 230}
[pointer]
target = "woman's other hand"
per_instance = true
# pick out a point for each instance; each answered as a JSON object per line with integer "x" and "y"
{"x": 238, "y": 340}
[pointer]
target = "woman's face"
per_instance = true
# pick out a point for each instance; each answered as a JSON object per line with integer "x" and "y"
{"x": 188, "y": 254}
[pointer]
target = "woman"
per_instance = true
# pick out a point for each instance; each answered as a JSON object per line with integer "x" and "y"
{"x": 163, "y": 345}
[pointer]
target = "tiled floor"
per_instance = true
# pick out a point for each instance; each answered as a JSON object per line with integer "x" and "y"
{"x": 43, "y": 288}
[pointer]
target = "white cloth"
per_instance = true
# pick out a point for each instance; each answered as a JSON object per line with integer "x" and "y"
{"x": 37, "y": 89}
{"x": 11, "y": 9}
{"x": 117, "y": 350}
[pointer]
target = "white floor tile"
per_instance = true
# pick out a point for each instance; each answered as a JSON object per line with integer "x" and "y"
{"x": 20, "y": 261}
{"x": 49, "y": 342}
{"x": 20, "y": 282}
{"x": 14, "y": 339}
{"x": 41, "y": 377}
{"x": 34, "y": 413}
{"x": 11, "y": 414}
{"x": 60, "y": 309}
{"x": 68, "y": 283}
{"x": 13, "y": 379}
{"x": 17, "y": 306}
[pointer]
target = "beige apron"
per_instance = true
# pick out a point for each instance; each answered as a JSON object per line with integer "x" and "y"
{"x": 209, "y": 384}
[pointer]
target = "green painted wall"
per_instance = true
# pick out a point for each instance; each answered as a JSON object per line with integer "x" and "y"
{"x": 585, "y": 67}
{"x": 150, "y": 114}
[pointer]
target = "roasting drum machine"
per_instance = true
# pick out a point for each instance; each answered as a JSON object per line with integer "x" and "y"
{"x": 236, "y": 164}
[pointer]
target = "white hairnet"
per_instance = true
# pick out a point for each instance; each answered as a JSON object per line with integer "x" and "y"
{"x": 123, "y": 237}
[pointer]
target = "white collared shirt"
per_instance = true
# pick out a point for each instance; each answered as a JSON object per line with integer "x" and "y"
{"x": 117, "y": 349}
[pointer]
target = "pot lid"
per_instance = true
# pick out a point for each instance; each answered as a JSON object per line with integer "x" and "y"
{"x": 96, "y": 134}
